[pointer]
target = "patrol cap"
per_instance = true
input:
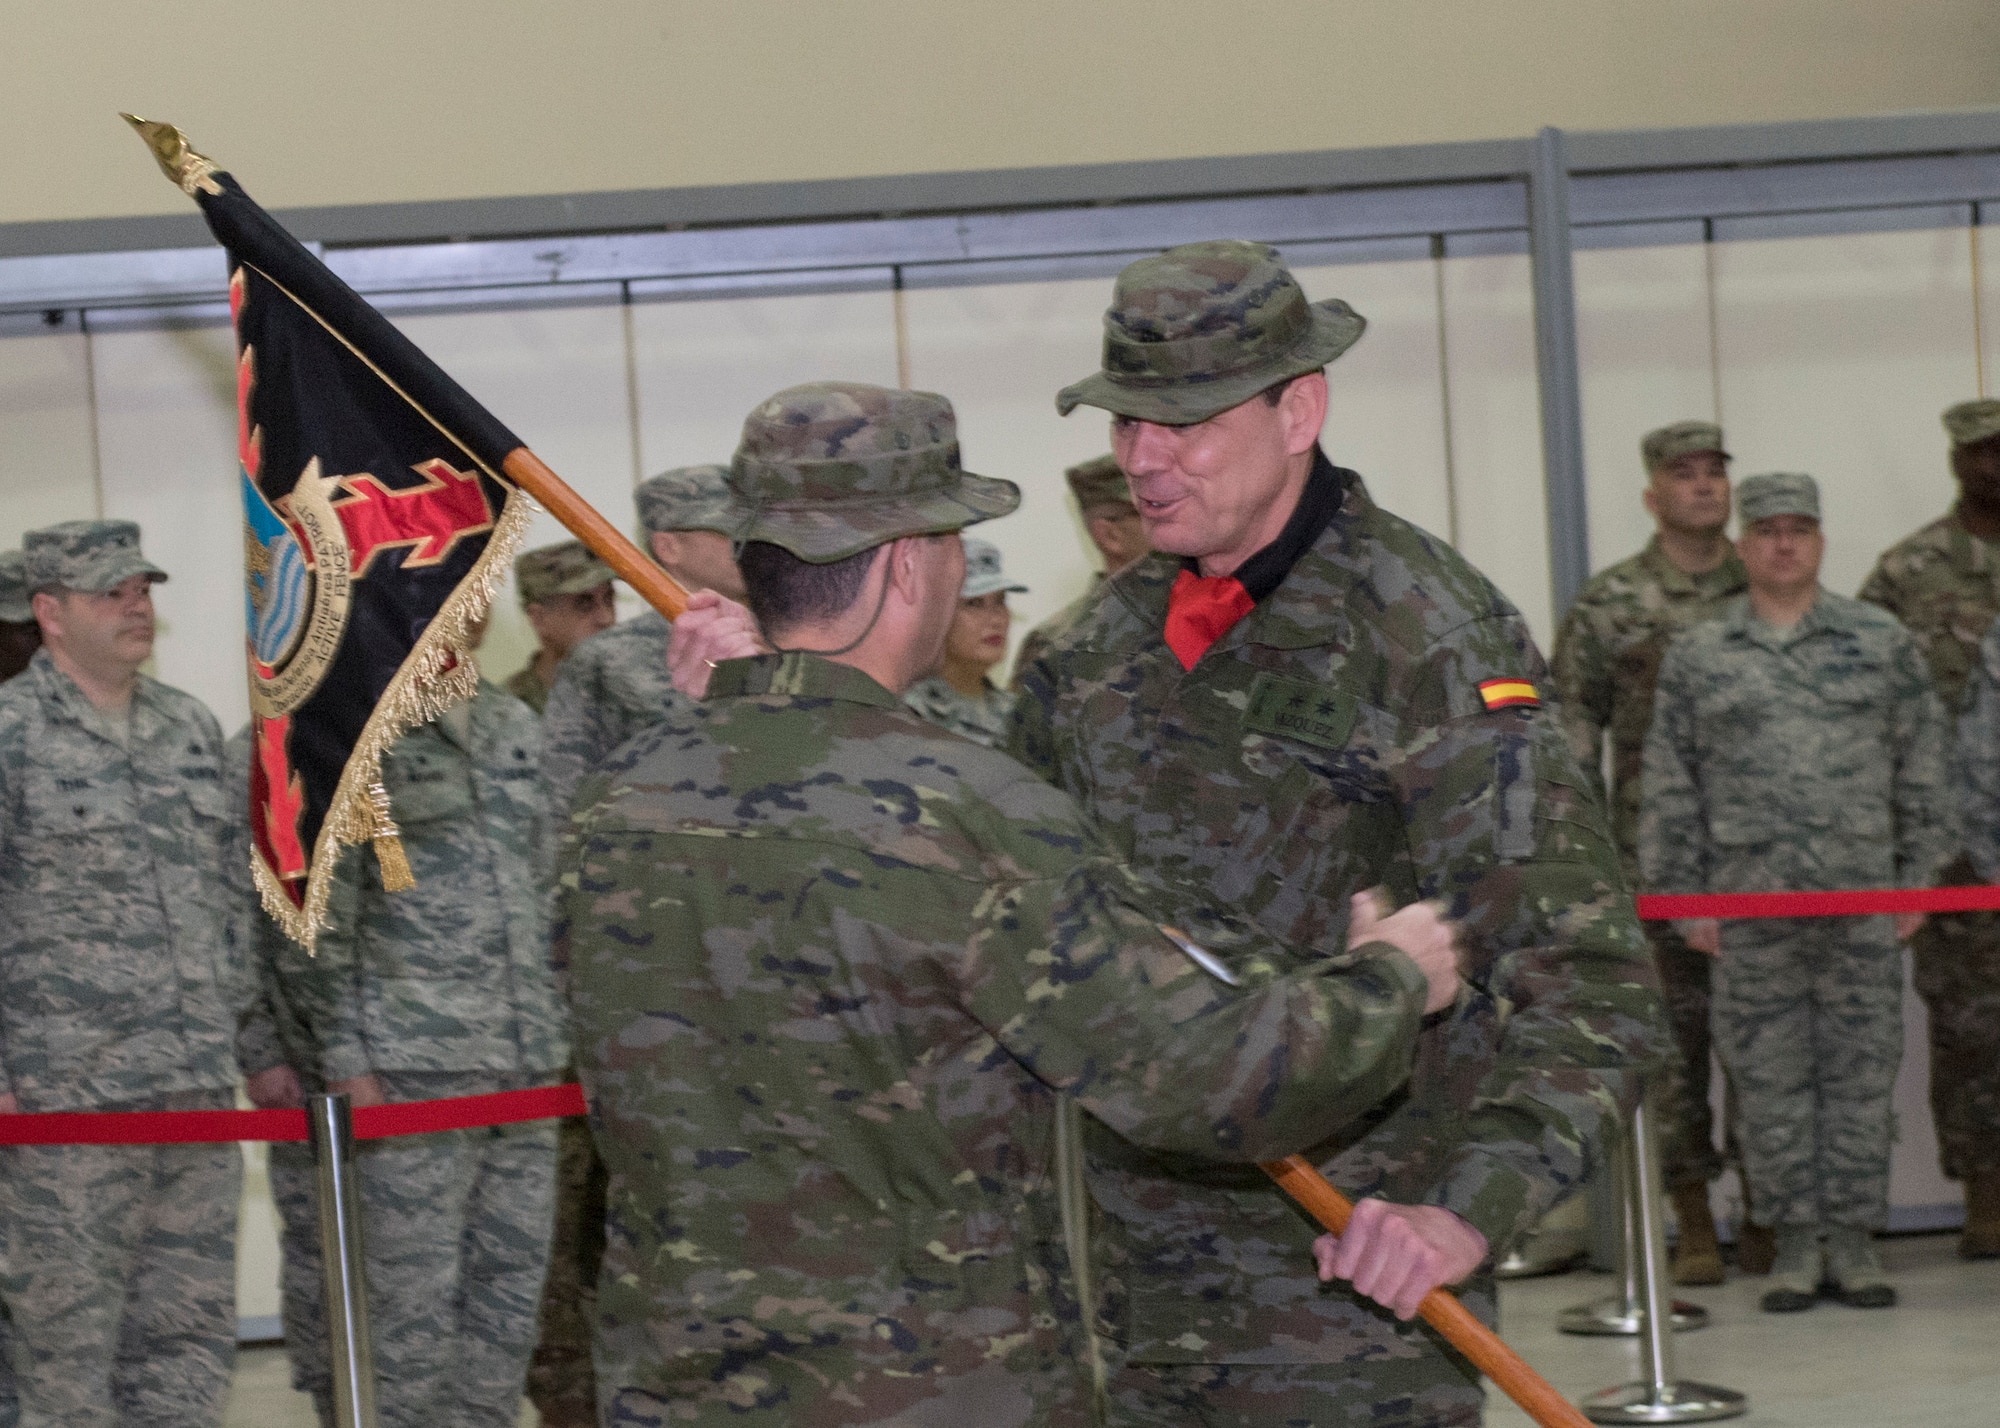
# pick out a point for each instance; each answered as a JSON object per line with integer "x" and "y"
{"x": 688, "y": 498}
{"x": 14, "y": 603}
{"x": 566, "y": 568}
{"x": 1099, "y": 482}
{"x": 1973, "y": 421}
{"x": 830, "y": 469}
{"x": 1777, "y": 493}
{"x": 85, "y": 555}
{"x": 1682, "y": 438}
{"x": 983, "y": 574}
{"x": 1204, "y": 327}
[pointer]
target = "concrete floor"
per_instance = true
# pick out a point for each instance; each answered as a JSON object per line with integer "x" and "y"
{"x": 1932, "y": 1360}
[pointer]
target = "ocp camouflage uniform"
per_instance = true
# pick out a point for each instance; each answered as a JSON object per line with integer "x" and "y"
{"x": 444, "y": 990}
{"x": 116, "y": 993}
{"x": 826, "y": 965}
{"x": 1607, "y": 657}
{"x": 1943, "y": 583}
{"x": 1804, "y": 759}
{"x": 1334, "y": 739}
{"x": 982, "y": 720}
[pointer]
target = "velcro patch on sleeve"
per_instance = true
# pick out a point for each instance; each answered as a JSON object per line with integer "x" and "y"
{"x": 1509, "y": 694}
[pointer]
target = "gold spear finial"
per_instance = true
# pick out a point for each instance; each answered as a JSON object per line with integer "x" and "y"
{"x": 178, "y": 160}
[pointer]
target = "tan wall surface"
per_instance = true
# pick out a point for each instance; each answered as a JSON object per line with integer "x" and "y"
{"x": 378, "y": 101}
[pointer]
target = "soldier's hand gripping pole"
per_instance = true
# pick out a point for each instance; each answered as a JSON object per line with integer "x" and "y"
{"x": 655, "y": 586}
{"x": 1538, "y": 1398}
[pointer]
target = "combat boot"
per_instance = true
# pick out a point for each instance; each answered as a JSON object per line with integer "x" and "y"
{"x": 1854, "y": 1269}
{"x": 1796, "y": 1272}
{"x": 1981, "y": 1239}
{"x": 1697, "y": 1256}
{"x": 1756, "y": 1247}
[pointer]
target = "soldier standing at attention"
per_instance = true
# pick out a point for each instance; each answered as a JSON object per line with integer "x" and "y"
{"x": 1797, "y": 745}
{"x": 960, "y": 697}
{"x": 20, "y": 636}
{"x": 1299, "y": 696}
{"x": 1112, "y": 522}
{"x": 612, "y": 686}
{"x": 117, "y": 992}
{"x": 1943, "y": 583}
{"x": 1607, "y": 656}
{"x": 443, "y": 990}
{"x": 566, "y": 595}
{"x": 829, "y": 966}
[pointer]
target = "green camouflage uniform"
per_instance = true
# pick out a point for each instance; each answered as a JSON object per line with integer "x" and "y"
{"x": 444, "y": 990}
{"x": 566, "y": 568}
{"x": 1803, "y": 759}
{"x": 117, "y": 992}
{"x": 1606, "y": 659}
{"x": 1943, "y": 583}
{"x": 610, "y": 687}
{"x": 828, "y": 967}
{"x": 1334, "y": 740}
{"x": 1096, "y": 482}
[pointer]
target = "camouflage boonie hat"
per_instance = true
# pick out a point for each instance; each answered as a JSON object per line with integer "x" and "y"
{"x": 1777, "y": 493}
{"x": 1204, "y": 327}
{"x": 983, "y": 574}
{"x": 1683, "y": 438}
{"x": 1973, "y": 421}
{"x": 1099, "y": 482}
{"x": 86, "y": 555}
{"x": 566, "y": 568}
{"x": 688, "y": 498}
{"x": 14, "y": 603}
{"x": 831, "y": 469}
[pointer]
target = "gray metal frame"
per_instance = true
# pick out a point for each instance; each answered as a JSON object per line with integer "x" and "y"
{"x": 1545, "y": 196}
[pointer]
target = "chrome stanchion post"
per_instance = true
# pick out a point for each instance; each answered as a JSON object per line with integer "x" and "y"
{"x": 332, "y": 1129}
{"x": 1624, "y": 1313}
{"x": 1661, "y": 1397}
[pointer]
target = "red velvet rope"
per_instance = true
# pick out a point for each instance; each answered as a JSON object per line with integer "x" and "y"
{"x": 538, "y": 1103}
{"x": 1865, "y": 902}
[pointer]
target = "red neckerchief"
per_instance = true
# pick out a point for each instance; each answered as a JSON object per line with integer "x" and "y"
{"x": 1201, "y": 609}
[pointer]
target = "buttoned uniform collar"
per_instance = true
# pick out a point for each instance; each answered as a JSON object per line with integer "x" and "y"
{"x": 62, "y": 696}
{"x": 808, "y": 676}
{"x": 1293, "y": 616}
{"x": 1821, "y": 618}
{"x": 1676, "y": 581}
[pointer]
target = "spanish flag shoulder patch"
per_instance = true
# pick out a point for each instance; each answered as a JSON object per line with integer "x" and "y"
{"x": 1509, "y": 694}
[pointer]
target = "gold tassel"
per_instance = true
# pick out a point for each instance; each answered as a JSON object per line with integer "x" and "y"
{"x": 391, "y": 860}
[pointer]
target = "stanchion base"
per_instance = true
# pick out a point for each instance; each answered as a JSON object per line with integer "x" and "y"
{"x": 1681, "y": 1403}
{"x": 1611, "y": 1316}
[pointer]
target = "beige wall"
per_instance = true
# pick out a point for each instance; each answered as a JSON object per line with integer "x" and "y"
{"x": 382, "y": 100}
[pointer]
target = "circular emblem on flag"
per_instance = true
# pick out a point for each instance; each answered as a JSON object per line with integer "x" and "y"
{"x": 295, "y": 592}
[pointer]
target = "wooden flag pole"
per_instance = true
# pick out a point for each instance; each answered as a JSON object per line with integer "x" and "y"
{"x": 657, "y": 588}
{"x": 1297, "y": 1177}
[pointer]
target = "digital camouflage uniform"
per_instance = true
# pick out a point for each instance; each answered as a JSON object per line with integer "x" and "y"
{"x": 828, "y": 966}
{"x": 1607, "y": 656}
{"x": 984, "y": 719}
{"x": 1335, "y": 739}
{"x": 117, "y": 992}
{"x": 1798, "y": 760}
{"x": 566, "y": 568}
{"x": 444, "y": 990}
{"x": 611, "y": 686}
{"x": 1943, "y": 583}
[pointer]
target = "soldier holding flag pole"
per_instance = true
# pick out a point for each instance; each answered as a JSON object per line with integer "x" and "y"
{"x": 340, "y": 666}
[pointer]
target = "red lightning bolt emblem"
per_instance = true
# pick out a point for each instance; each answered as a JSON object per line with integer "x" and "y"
{"x": 428, "y": 520}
